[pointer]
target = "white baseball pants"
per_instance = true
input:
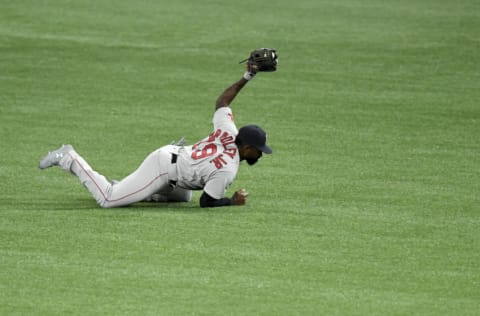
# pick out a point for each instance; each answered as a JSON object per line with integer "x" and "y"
{"x": 151, "y": 177}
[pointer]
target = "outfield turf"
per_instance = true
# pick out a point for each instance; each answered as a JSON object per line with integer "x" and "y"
{"x": 368, "y": 206}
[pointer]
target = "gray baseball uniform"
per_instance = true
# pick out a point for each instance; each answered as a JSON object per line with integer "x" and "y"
{"x": 210, "y": 164}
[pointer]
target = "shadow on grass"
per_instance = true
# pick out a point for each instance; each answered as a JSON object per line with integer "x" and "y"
{"x": 77, "y": 204}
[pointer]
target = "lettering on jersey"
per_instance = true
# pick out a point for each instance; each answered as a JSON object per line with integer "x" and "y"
{"x": 231, "y": 152}
{"x": 208, "y": 148}
{"x": 227, "y": 139}
{"x": 218, "y": 161}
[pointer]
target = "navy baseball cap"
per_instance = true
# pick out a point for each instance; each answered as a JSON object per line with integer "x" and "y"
{"x": 255, "y": 136}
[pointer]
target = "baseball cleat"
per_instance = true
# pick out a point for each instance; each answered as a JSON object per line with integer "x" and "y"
{"x": 53, "y": 158}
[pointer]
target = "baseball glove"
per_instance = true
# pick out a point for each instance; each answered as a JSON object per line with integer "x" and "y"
{"x": 262, "y": 60}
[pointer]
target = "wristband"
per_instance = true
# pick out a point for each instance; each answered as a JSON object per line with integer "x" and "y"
{"x": 248, "y": 75}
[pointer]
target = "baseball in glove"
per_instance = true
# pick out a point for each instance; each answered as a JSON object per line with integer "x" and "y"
{"x": 262, "y": 60}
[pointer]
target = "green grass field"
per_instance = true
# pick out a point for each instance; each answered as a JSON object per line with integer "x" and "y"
{"x": 369, "y": 205}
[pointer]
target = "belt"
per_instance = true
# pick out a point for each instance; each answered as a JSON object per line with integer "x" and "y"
{"x": 174, "y": 158}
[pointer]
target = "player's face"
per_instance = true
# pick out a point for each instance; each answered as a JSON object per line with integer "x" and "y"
{"x": 251, "y": 154}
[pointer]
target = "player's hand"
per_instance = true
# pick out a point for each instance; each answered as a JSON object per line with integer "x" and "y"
{"x": 240, "y": 197}
{"x": 252, "y": 69}
{"x": 249, "y": 73}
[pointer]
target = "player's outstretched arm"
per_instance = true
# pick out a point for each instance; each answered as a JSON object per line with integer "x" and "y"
{"x": 238, "y": 198}
{"x": 226, "y": 98}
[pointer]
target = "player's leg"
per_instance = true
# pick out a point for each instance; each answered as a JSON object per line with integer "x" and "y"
{"x": 171, "y": 195}
{"x": 179, "y": 195}
{"x": 150, "y": 177}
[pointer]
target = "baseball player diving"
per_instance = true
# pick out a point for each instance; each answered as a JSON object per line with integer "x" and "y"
{"x": 171, "y": 172}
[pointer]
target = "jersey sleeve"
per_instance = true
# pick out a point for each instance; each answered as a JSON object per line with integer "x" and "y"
{"x": 223, "y": 119}
{"x": 217, "y": 185}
